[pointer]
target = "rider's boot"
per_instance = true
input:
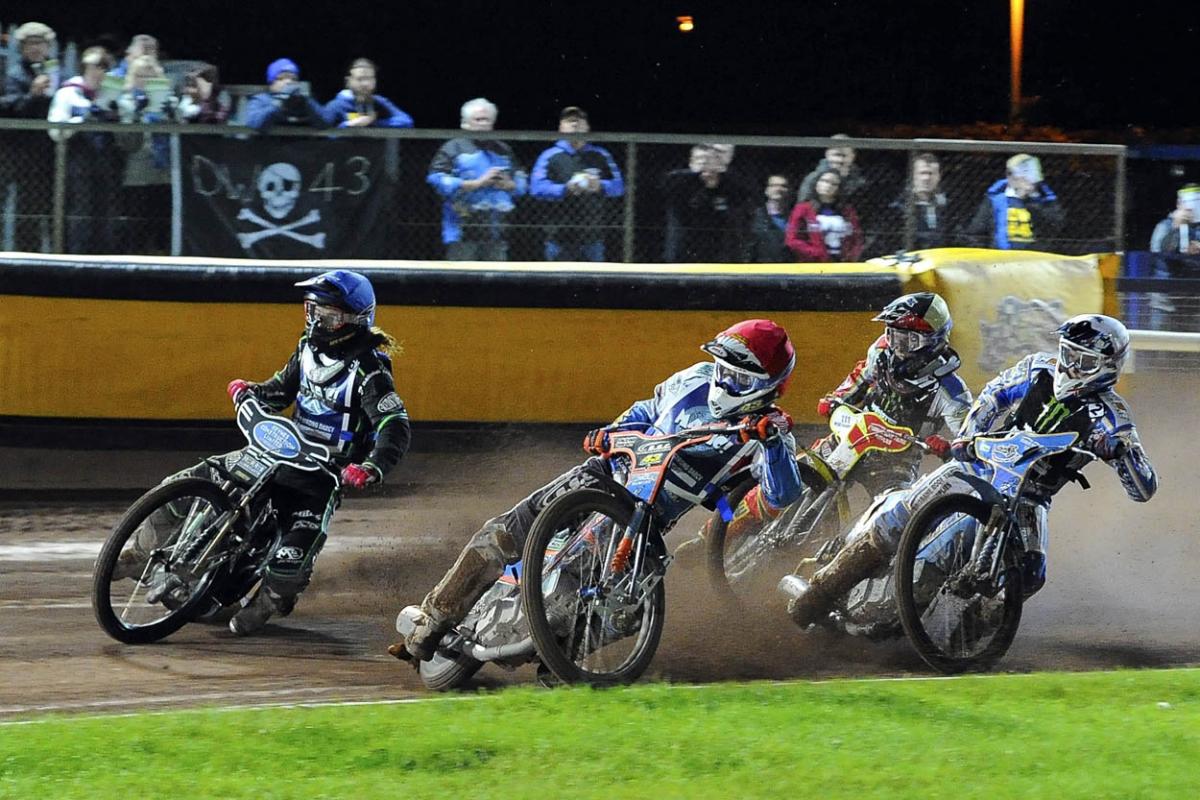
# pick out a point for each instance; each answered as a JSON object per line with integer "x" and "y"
{"x": 254, "y": 616}
{"x": 151, "y": 535}
{"x": 856, "y": 561}
{"x": 130, "y": 564}
{"x": 458, "y": 590}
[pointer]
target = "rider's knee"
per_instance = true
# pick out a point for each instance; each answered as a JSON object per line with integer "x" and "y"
{"x": 495, "y": 543}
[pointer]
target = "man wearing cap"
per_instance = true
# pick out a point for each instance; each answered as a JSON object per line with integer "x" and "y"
{"x": 576, "y": 179}
{"x": 1019, "y": 212}
{"x": 284, "y": 102}
{"x": 25, "y": 171}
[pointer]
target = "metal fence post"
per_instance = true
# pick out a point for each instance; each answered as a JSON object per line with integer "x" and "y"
{"x": 60, "y": 193}
{"x": 1119, "y": 202}
{"x": 176, "y": 197}
{"x": 630, "y": 193}
{"x": 910, "y": 204}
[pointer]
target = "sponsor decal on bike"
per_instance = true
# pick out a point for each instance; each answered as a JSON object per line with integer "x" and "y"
{"x": 274, "y": 437}
{"x": 655, "y": 447}
{"x": 1005, "y": 453}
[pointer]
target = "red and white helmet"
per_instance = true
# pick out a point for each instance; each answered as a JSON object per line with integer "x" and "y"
{"x": 754, "y": 360}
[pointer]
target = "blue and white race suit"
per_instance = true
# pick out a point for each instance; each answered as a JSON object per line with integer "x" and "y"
{"x": 1022, "y": 398}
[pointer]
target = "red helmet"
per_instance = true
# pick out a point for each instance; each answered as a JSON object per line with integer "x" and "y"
{"x": 754, "y": 360}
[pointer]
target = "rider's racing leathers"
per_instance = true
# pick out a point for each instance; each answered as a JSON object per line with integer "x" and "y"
{"x": 937, "y": 399}
{"x": 680, "y": 402}
{"x": 1022, "y": 398}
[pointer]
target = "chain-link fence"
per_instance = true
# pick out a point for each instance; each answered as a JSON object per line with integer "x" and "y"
{"x": 107, "y": 188}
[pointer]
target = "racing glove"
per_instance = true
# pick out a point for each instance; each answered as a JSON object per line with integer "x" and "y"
{"x": 765, "y": 427}
{"x": 361, "y": 475}
{"x": 962, "y": 450}
{"x": 938, "y": 446}
{"x": 237, "y": 390}
{"x": 596, "y": 442}
{"x": 1108, "y": 446}
{"x": 825, "y": 406}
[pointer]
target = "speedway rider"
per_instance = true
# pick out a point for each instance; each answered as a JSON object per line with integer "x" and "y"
{"x": 1040, "y": 394}
{"x": 752, "y": 362}
{"x": 340, "y": 379}
{"x": 909, "y": 375}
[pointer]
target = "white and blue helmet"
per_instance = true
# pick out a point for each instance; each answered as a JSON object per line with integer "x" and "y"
{"x": 1091, "y": 351}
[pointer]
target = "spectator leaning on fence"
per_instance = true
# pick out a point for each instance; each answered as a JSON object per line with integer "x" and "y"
{"x": 577, "y": 178}
{"x": 94, "y": 162}
{"x": 1019, "y": 212}
{"x": 143, "y": 44}
{"x": 145, "y": 184}
{"x": 825, "y": 228}
{"x": 926, "y": 202}
{"x": 30, "y": 80}
{"x": 285, "y": 102}
{"x": 768, "y": 227}
{"x": 707, "y": 210}
{"x": 1179, "y": 233}
{"x": 840, "y": 159}
{"x": 203, "y": 101}
{"x": 358, "y": 106}
{"x": 478, "y": 180}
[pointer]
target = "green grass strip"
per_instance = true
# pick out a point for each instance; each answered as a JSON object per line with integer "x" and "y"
{"x": 1131, "y": 734}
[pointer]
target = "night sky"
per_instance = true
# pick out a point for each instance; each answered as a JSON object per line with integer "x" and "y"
{"x": 805, "y": 68}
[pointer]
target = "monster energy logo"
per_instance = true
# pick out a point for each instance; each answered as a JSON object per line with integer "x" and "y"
{"x": 1054, "y": 413}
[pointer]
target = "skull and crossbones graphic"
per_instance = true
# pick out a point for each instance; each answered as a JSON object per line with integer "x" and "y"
{"x": 279, "y": 188}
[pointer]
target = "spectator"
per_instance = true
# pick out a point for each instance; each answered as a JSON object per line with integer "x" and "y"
{"x": 357, "y": 106}
{"x": 203, "y": 100}
{"x": 1179, "y": 233}
{"x": 145, "y": 184}
{"x": 578, "y": 178}
{"x": 143, "y": 44}
{"x": 285, "y": 102}
{"x": 925, "y": 202}
{"x": 478, "y": 180}
{"x": 707, "y": 209}
{"x": 825, "y": 228}
{"x": 768, "y": 227}
{"x": 27, "y": 165}
{"x": 94, "y": 162}
{"x": 1018, "y": 212}
{"x": 840, "y": 159}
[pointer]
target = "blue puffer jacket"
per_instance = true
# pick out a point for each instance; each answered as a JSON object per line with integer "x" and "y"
{"x": 387, "y": 114}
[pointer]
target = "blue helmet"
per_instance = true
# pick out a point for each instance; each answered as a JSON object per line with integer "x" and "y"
{"x": 337, "y": 303}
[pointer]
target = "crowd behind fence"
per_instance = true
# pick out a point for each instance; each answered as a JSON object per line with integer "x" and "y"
{"x": 110, "y": 188}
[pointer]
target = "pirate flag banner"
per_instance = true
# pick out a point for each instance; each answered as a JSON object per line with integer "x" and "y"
{"x": 282, "y": 197}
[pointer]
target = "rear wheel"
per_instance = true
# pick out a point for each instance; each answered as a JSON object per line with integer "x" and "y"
{"x": 142, "y": 587}
{"x": 956, "y": 620}
{"x": 591, "y": 625}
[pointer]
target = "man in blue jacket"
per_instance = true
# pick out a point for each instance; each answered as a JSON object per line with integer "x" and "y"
{"x": 1020, "y": 212}
{"x": 357, "y": 106}
{"x": 577, "y": 179}
{"x": 284, "y": 102}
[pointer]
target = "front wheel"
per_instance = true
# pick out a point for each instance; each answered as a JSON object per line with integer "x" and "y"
{"x": 957, "y": 620}
{"x": 590, "y": 624}
{"x": 142, "y": 587}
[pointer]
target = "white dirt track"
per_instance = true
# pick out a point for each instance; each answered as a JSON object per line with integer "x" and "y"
{"x": 1122, "y": 588}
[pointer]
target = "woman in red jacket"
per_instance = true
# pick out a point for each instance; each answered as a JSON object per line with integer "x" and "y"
{"x": 824, "y": 229}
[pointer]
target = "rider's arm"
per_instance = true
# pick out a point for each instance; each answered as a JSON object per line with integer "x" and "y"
{"x": 1116, "y": 433}
{"x": 279, "y": 391}
{"x": 777, "y": 473}
{"x": 388, "y": 418}
{"x": 951, "y": 403}
{"x": 999, "y": 395}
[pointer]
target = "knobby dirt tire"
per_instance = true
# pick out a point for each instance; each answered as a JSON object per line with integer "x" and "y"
{"x": 106, "y": 562}
{"x": 549, "y": 648}
{"x": 910, "y": 614}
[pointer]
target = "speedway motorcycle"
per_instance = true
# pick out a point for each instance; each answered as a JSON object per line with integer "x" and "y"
{"x": 838, "y": 486}
{"x": 192, "y": 546}
{"x": 959, "y": 564}
{"x": 587, "y": 600}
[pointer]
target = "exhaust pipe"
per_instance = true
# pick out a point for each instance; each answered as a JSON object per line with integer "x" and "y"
{"x": 793, "y": 586}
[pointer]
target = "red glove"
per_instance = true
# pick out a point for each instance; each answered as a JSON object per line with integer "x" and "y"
{"x": 825, "y": 406}
{"x": 237, "y": 389}
{"x": 938, "y": 446}
{"x": 360, "y": 475}
{"x": 596, "y": 442}
{"x": 767, "y": 426}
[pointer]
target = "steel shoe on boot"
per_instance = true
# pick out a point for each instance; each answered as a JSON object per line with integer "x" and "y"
{"x": 254, "y": 616}
{"x": 421, "y": 641}
{"x": 856, "y": 561}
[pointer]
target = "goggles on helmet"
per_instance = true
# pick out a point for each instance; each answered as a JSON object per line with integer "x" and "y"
{"x": 738, "y": 382}
{"x": 328, "y": 318}
{"x": 1078, "y": 361}
{"x": 905, "y": 342}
